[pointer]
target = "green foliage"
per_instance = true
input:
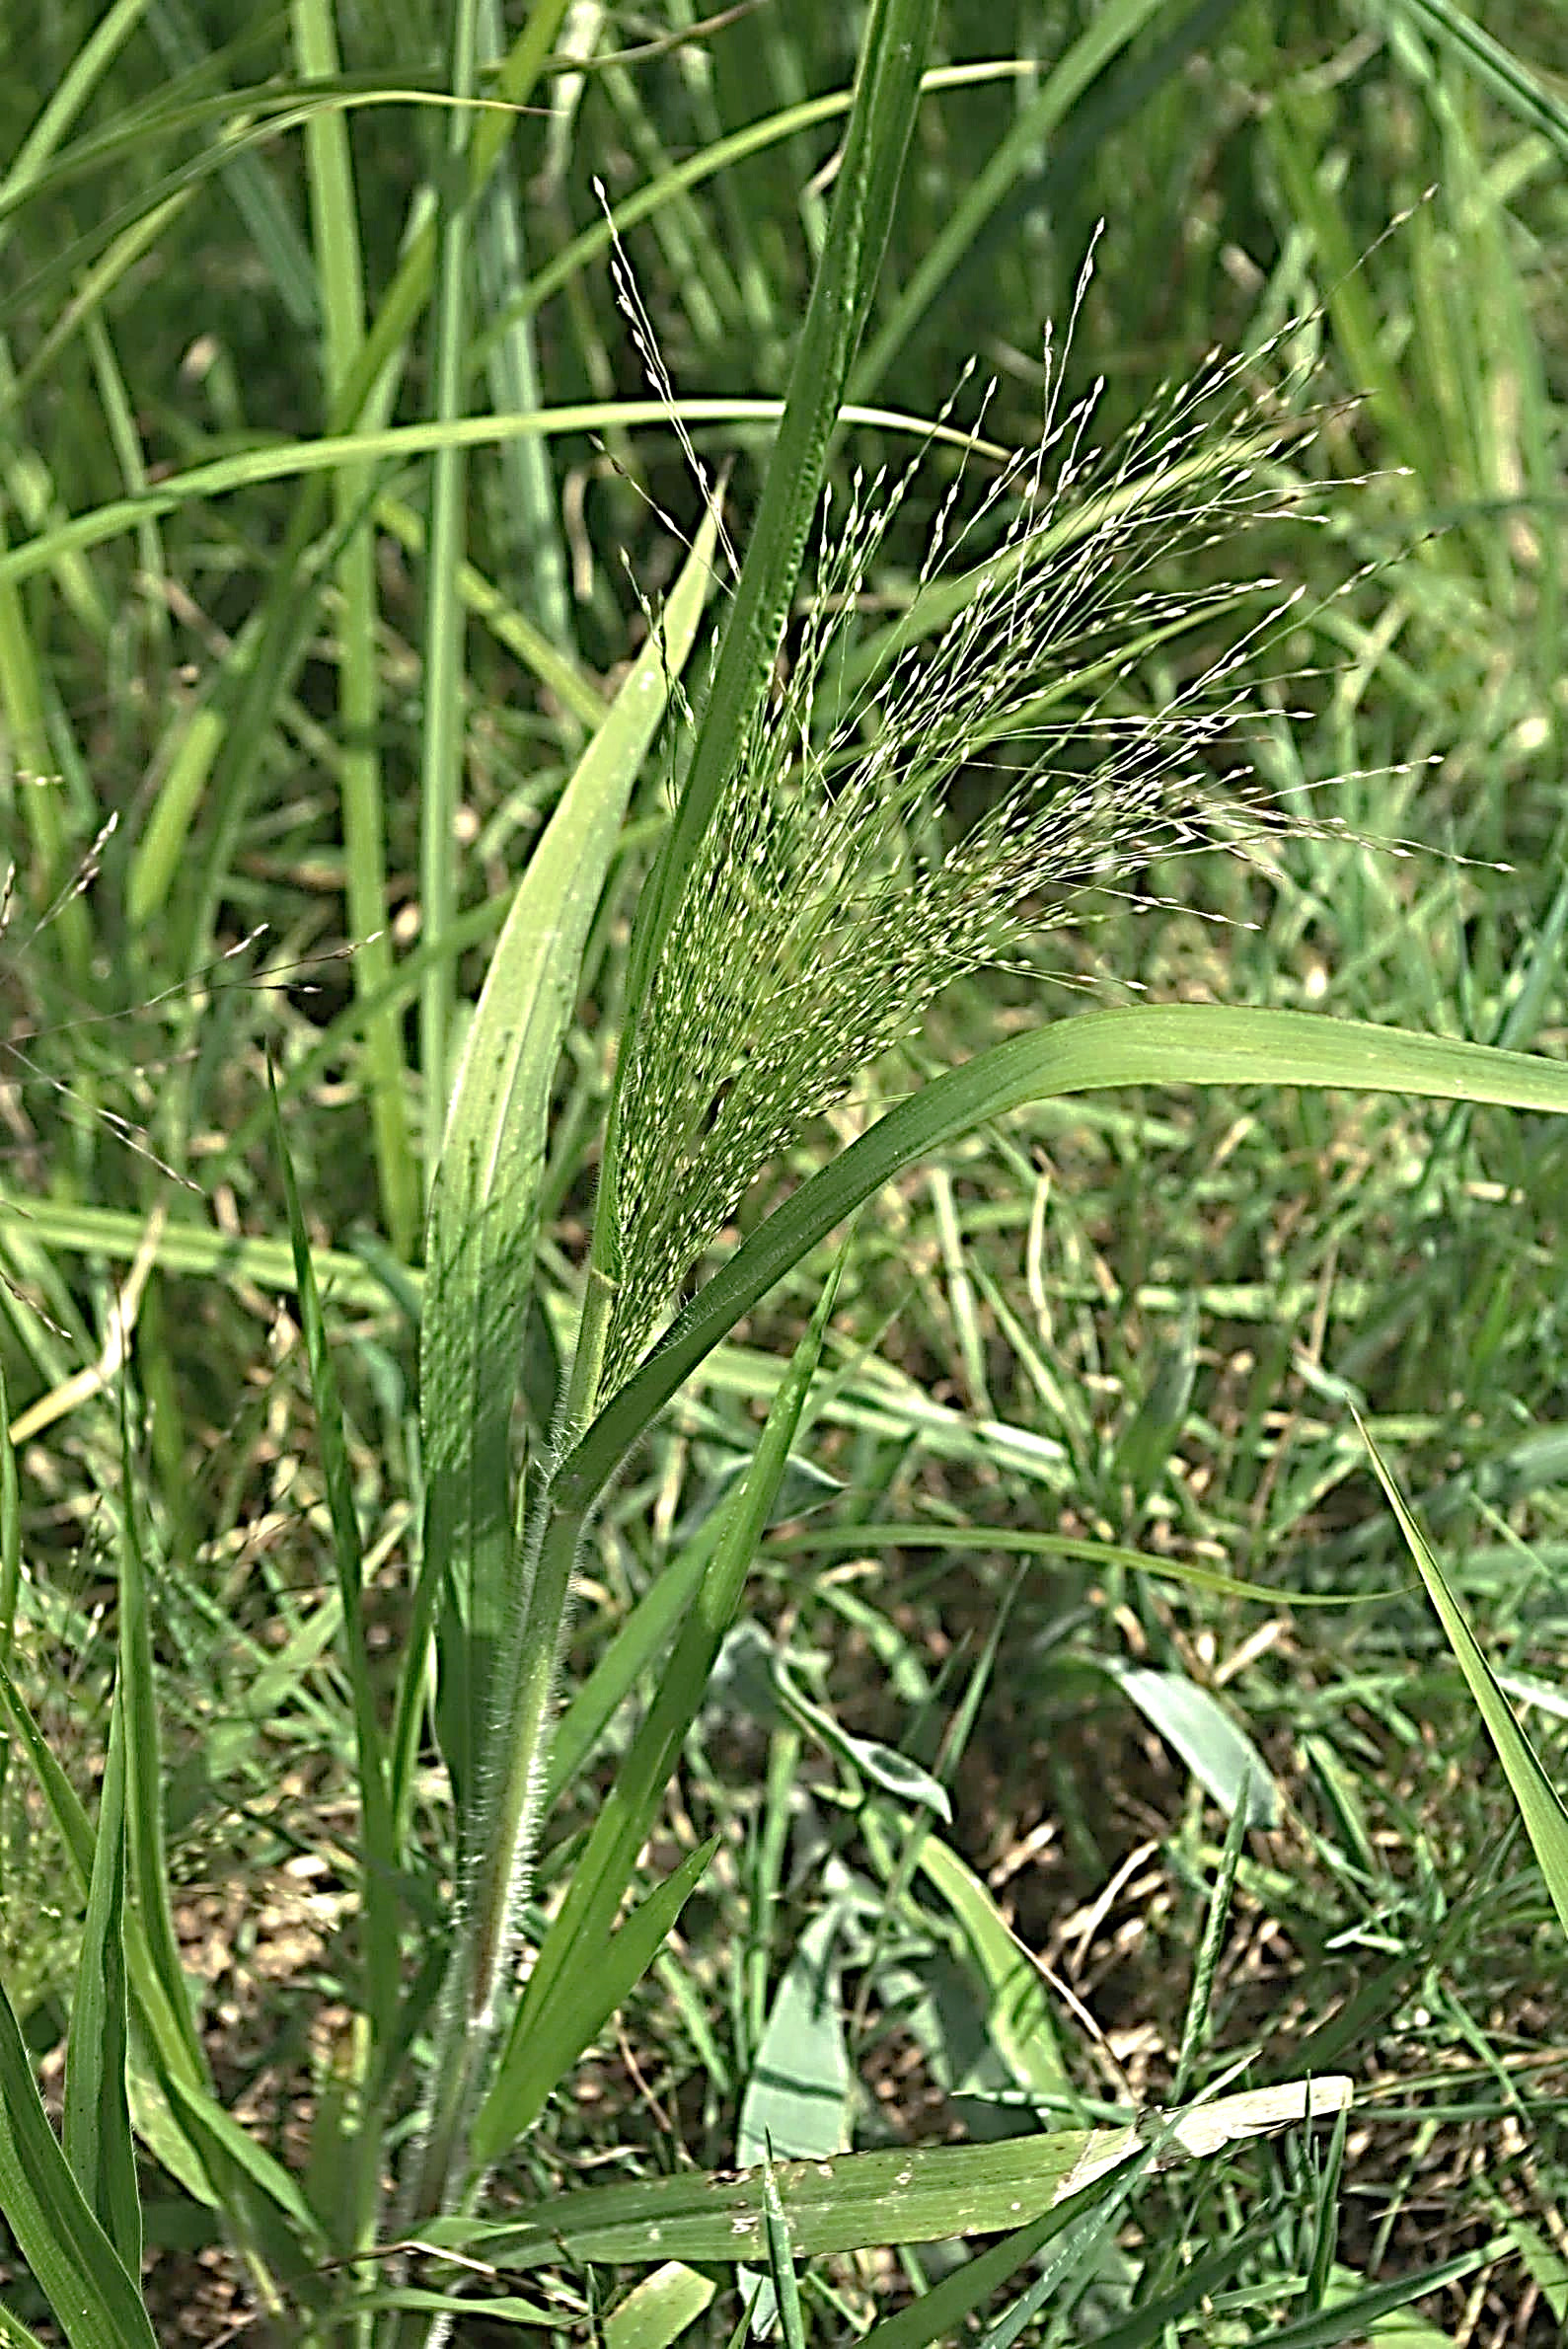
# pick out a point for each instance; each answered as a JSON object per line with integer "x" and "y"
{"x": 665, "y": 970}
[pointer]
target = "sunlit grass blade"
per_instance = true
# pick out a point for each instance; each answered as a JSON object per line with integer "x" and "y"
{"x": 562, "y": 2028}
{"x": 1540, "y": 1805}
{"x": 1165, "y": 1045}
{"x": 908, "y": 2194}
{"x": 97, "y": 2120}
{"x": 479, "y": 1246}
{"x": 1018, "y": 2020}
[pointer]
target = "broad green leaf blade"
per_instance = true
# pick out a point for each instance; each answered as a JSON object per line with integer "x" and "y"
{"x": 78, "y": 2270}
{"x": 797, "y": 2099}
{"x": 659, "y": 2309}
{"x": 1018, "y": 2012}
{"x": 1165, "y": 1045}
{"x": 571, "y": 2022}
{"x": 1220, "y": 1756}
{"x": 905, "y": 2195}
{"x": 1540, "y": 1806}
{"x": 480, "y": 1245}
{"x": 98, "y": 2133}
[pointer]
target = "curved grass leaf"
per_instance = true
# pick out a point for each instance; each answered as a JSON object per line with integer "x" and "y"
{"x": 1017, "y": 2017}
{"x": 1540, "y": 1805}
{"x": 562, "y": 2028}
{"x": 480, "y": 1243}
{"x": 1165, "y": 1045}
{"x": 81, "y": 2275}
{"x": 1220, "y": 1756}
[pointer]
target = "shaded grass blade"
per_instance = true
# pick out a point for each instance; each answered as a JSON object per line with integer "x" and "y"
{"x": 1110, "y": 30}
{"x": 379, "y": 1859}
{"x": 98, "y": 2135}
{"x": 1540, "y": 1805}
{"x": 98, "y": 2303}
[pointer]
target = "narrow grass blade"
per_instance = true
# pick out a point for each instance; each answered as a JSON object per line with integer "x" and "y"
{"x": 779, "y": 2303}
{"x": 10, "y": 1559}
{"x": 570, "y": 2023}
{"x": 1362, "y": 2316}
{"x": 1196, "y": 2025}
{"x": 277, "y": 2219}
{"x": 137, "y": 1698}
{"x": 1165, "y": 1045}
{"x": 254, "y": 194}
{"x": 162, "y": 2048}
{"x": 380, "y": 1854}
{"x": 335, "y": 216}
{"x": 98, "y": 2135}
{"x": 442, "y": 732}
{"x": 1540, "y": 1805}
{"x": 531, "y": 555}
{"x": 1109, "y": 32}
{"x": 81, "y": 2275}
{"x": 604, "y": 1870}
{"x": 480, "y": 1245}
{"x": 1511, "y": 81}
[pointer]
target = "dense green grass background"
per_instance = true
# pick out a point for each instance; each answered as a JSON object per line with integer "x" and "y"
{"x": 1136, "y": 1320}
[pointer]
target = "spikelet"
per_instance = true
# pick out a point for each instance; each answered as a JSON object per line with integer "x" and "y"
{"x": 824, "y": 912}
